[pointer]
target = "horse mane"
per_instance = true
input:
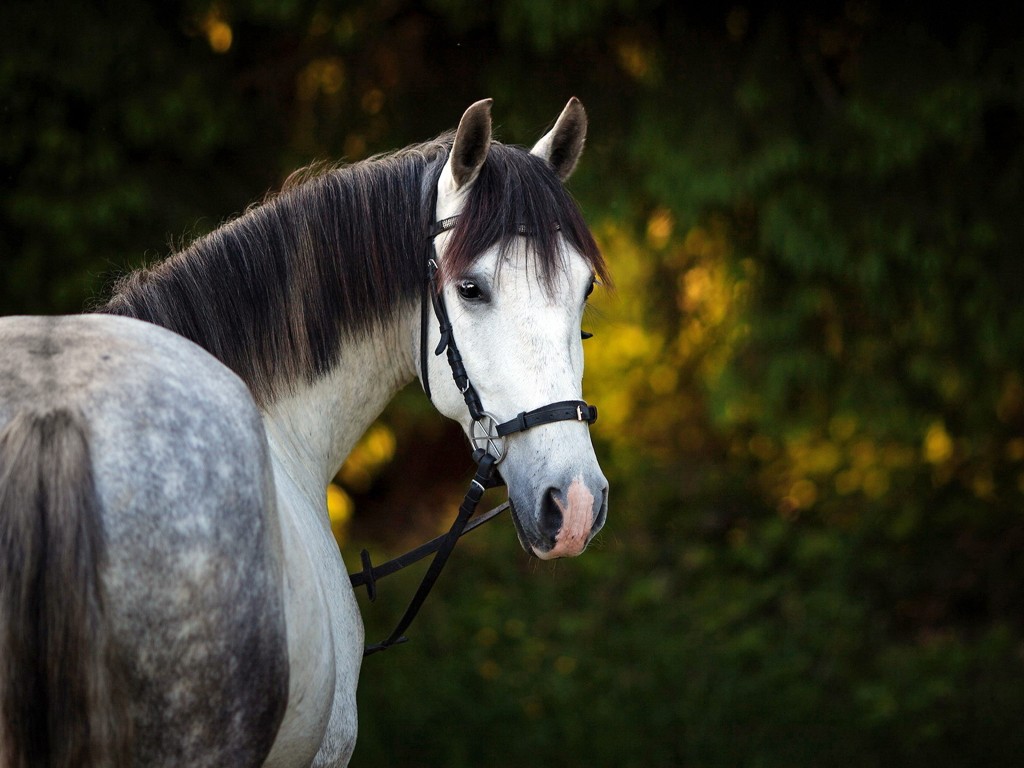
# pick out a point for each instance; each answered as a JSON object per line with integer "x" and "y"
{"x": 339, "y": 251}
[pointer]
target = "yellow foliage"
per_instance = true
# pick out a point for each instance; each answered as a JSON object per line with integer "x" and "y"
{"x": 938, "y": 445}
{"x": 848, "y": 481}
{"x": 324, "y": 75}
{"x": 339, "y": 508}
{"x": 663, "y": 379}
{"x": 651, "y": 379}
{"x": 804, "y": 492}
{"x": 1011, "y": 400}
{"x": 648, "y": 379}
{"x": 634, "y": 58}
{"x": 841, "y": 459}
{"x": 218, "y": 32}
{"x": 372, "y": 452}
{"x": 983, "y": 485}
{"x": 842, "y": 427}
{"x": 659, "y": 228}
{"x": 355, "y": 146}
{"x": 875, "y": 483}
{"x": 863, "y": 454}
{"x": 1015, "y": 449}
{"x": 824, "y": 459}
{"x": 372, "y": 101}
{"x": 379, "y": 444}
{"x": 339, "y": 504}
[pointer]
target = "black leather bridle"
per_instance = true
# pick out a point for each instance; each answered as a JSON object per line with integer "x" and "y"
{"x": 487, "y": 436}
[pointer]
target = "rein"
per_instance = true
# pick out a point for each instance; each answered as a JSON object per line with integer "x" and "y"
{"x": 488, "y": 438}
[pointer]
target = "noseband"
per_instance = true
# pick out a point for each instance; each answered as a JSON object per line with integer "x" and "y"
{"x": 487, "y": 436}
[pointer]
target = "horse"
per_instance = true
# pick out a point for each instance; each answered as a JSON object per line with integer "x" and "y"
{"x": 170, "y": 591}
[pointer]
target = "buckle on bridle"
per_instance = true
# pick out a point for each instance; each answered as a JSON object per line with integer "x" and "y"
{"x": 483, "y": 434}
{"x": 579, "y": 413}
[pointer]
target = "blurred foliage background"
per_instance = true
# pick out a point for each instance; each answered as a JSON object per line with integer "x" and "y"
{"x": 810, "y": 375}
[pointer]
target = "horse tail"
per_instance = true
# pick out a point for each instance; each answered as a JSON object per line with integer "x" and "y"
{"x": 58, "y": 696}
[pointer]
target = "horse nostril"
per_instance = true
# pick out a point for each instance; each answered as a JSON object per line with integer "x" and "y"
{"x": 550, "y": 522}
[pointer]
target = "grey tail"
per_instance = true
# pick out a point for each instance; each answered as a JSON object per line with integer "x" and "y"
{"x": 59, "y": 701}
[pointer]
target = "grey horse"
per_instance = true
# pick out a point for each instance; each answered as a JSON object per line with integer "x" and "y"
{"x": 170, "y": 592}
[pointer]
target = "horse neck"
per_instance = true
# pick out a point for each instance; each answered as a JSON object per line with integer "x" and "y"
{"x": 277, "y": 293}
{"x": 313, "y": 427}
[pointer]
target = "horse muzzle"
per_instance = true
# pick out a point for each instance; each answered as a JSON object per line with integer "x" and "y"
{"x": 565, "y": 519}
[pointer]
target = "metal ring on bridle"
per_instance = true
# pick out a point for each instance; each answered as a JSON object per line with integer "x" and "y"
{"x": 483, "y": 434}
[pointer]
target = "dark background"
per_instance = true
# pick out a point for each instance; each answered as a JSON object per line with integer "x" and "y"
{"x": 810, "y": 375}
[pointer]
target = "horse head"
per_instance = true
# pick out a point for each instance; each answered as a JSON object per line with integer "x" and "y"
{"x": 516, "y": 265}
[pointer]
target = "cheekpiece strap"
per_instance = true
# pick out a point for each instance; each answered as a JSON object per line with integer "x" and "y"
{"x": 430, "y": 289}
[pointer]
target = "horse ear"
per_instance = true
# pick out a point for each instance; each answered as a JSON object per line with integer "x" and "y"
{"x": 563, "y": 144}
{"x": 472, "y": 140}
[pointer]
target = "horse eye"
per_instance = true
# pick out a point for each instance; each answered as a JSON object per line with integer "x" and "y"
{"x": 469, "y": 290}
{"x": 590, "y": 288}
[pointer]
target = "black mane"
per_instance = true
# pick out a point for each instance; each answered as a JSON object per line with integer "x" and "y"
{"x": 272, "y": 293}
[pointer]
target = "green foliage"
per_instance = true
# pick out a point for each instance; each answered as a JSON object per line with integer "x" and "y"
{"x": 115, "y": 122}
{"x": 752, "y": 651}
{"x": 810, "y": 376}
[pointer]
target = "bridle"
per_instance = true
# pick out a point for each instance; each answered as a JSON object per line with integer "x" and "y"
{"x": 487, "y": 436}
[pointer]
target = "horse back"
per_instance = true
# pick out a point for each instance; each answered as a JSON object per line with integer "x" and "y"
{"x": 188, "y": 559}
